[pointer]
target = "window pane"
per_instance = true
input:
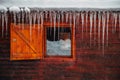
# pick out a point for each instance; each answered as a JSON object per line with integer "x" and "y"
{"x": 58, "y": 41}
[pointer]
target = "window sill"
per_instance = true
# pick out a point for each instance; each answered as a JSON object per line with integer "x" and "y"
{"x": 59, "y": 58}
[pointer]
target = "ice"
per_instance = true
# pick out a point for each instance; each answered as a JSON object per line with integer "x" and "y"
{"x": 86, "y": 22}
{"x": 107, "y": 28}
{"x": 34, "y": 19}
{"x": 14, "y": 9}
{"x": 91, "y": 26}
{"x": 62, "y": 16}
{"x": 3, "y": 20}
{"x": 3, "y": 9}
{"x": 95, "y": 27}
{"x": 23, "y": 17}
{"x": 63, "y": 3}
{"x": 99, "y": 25}
{"x": 119, "y": 25}
{"x": 77, "y": 21}
{"x": 14, "y": 18}
{"x": 70, "y": 21}
{"x": 30, "y": 23}
{"x": 66, "y": 17}
{"x": 46, "y": 15}
{"x": 54, "y": 23}
{"x": 61, "y": 47}
{"x": 38, "y": 21}
{"x": 18, "y": 16}
{"x": 51, "y": 21}
{"x": 82, "y": 18}
{"x": 6, "y": 24}
{"x": 58, "y": 18}
{"x": 26, "y": 9}
{"x": 115, "y": 18}
{"x": 74, "y": 22}
{"x": 42, "y": 20}
{"x": 113, "y": 22}
{"x": 103, "y": 31}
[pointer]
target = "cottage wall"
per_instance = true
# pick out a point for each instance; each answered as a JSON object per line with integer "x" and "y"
{"x": 91, "y": 62}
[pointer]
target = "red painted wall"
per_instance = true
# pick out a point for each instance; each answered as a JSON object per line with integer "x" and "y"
{"x": 90, "y": 63}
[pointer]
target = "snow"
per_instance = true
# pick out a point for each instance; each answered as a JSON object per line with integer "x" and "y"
{"x": 62, "y": 3}
{"x": 14, "y": 9}
{"x": 3, "y": 9}
{"x": 61, "y": 47}
{"x": 27, "y": 9}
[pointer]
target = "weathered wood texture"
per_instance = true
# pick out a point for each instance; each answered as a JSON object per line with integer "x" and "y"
{"x": 90, "y": 63}
{"x": 24, "y": 45}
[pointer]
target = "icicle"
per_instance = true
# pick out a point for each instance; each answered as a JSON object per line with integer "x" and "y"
{"x": 74, "y": 23}
{"x": 42, "y": 20}
{"x": 26, "y": 9}
{"x": 112, "y": 19}
{"x": 0, "y": 23}
{"x": 107, "y": 28}
{"x": 70, "y": 21}
{"x": 103, "y": 31}
{"x": 82, "y": 19}
{"x": 15, "y": 10}
{"x": 115, "y": 18}
{"x": 51, "y": 21}
{"x": 38, "y": 21}
{"x": 34, "y": 19}
{"x": 14, "y": 17}
{"x": 91, "y": 22}
{"x": 119, "y": 25}
{"x": 94, "y": 27}
{"x": 46, "y": 15}
{"x": 78, "y": 18}
{"x": 30, "y": 23}
{"x": 23, "y": 17}
{"x": 66, "y": 17}
{"x": 27, "y": 12}
{"x": 18, "y": 15}
{"x": 86, "y": 22}
{"x": 6, "y": 23}
{"x": 99, "y": 24}
{"x": 62, "y": 16}
{"x": 0, "y": 18}
{"x": 26, "y": 17}
{"x": 54, "y": 23}
{"x": 3, "y": 17}
{"x": 58, "y": 18}
{"x": 77, "y": 22}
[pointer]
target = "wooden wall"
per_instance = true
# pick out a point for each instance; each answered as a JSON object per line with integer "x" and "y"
{"x": 90, "y": 63}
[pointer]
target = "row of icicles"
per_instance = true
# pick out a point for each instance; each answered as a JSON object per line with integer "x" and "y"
{"x": 94, "y": 22}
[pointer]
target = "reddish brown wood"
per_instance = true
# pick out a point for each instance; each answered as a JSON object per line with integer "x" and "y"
{"x": 24, "y": 46}
{"x": 72, "y": 57}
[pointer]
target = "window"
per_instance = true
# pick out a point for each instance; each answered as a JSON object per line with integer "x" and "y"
{"x": 59, "y": 41}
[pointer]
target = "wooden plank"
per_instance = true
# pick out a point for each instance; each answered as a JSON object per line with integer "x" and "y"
{"x": 22, "y": 46}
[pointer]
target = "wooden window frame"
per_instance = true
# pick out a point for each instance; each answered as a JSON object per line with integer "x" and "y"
{"x": 43, "y": 53}
{"x": 73, "y": 42}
